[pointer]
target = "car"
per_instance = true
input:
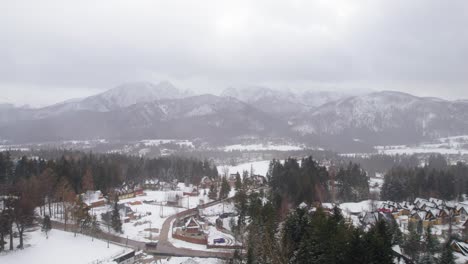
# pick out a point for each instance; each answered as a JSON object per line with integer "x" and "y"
{"x": 224, "y": 215}
{"x": 219, "y": 241}
{"x": 151, "y": 245}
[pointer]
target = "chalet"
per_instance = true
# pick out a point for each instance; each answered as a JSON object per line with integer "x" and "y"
{"x": 460, "y": 247}
{"x": 426, "y": 217}
{"x": 152, "y": 184}
{"x": 232, "y": 179}
{"x": 93, "y": 199}
{"x": 462, "y": 211}
{"x": 192, "y": 226}
{"x": 437, "y": 202}
{"x": 125, "y": 193}
{"x": 370, "y": 218}
{"x": 206, "y": 182}
{"x": 421, "y": 203}
{"x": 259, "y": 180}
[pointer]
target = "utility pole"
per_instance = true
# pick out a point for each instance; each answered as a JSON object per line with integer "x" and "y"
{"x": 150, "y": 234}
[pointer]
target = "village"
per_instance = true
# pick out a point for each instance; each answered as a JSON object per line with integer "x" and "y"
{"x": 446, "y": 219}
{"x": 172, "y": 218}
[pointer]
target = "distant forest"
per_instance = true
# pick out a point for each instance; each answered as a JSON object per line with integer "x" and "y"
{"x": 436, "y": 179}
{"x": 106, "y": 171}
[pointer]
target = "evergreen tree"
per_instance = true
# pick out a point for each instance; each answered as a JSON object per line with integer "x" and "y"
{"x": 447, "y": 255}
{"x": 225, "y": 189}
{"x": 46, "y": 225}
{"x": 115, "y": 219}
{"x": 213, "y": 194}
{"x": 238, "y": 184}
{"x": 95, "y": 228}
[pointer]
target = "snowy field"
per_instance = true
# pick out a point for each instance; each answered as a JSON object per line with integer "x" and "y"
{"x": 262, "y": 147}
{"x": 157, "y": 142}
{"x": 61, "y": 247}
{"x": 457, "y": 145}
{"x": 259, "y": 167}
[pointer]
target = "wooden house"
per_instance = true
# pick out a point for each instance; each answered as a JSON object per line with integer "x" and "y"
{"x": 192, "y": 226}
{"x": 206, "y": 182}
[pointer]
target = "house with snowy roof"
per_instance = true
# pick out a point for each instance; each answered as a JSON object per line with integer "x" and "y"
{"x": 93, "y": 199}
{"x": 152, "y": 184}
{"x": 192, "y": 226}
{"x": 206, "y": 182}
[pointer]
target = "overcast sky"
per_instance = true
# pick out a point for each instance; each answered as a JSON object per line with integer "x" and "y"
{"x": 54, "y": 50}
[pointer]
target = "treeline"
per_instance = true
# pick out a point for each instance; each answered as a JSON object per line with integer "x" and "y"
{"x": 436, "y": 179}
{"x": 379, "y": 163}
{"x": 294, "y": 182}
{"x": 107, "y": 170}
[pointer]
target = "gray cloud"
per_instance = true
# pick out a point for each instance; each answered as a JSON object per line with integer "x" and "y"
{"x": 80, "y": 47}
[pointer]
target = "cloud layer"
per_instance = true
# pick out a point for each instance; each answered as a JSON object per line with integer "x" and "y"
{"x": 62, "y": 48}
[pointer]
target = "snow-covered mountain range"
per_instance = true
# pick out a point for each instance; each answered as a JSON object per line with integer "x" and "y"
{"x": 283, "y": 102}
{"x": 121, "y": 96}
{"x": 144, "y": 110}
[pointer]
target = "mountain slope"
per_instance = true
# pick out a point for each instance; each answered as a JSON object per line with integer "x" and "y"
{"x": 386, "y": 117}
{"x": 205, "y": 116}
{"x": 118, "y": 97}
{"x": 283, "y": 103}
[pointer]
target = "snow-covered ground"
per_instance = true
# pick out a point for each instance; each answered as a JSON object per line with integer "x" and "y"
{"x": 259, "y": 167}
{"x": 61, "y": 247}
{"x": 184, "y": 260}
{"x": 262, "y": 147}
{"x": 218, "y": 209}
{"x": 156, "y": 212}
{"x": 157, "y": 142}
{"x": 457, "y": 145}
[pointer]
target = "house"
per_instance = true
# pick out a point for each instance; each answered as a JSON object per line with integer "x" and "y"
{"x": 125, "y": 258}
{"x": 426, "y": 217}
{"x": 460, "y": 247}
{"x": 438, "y": 202}
{"x": 232, "y": 179}
{"x": 259, "y": 180}
{"x": 206, "y": 182}
{"x": 461, "y": 210}
{"x": 152, "y": 184}
{"x": 370, "y": 218}
{"x": 192, "y": 226}
{"x": 93, "y": 199}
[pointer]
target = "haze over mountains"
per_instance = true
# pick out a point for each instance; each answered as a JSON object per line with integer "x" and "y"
{"x": 329, "y": 119}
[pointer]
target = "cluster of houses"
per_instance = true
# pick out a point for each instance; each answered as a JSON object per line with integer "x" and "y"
{"x": 430, "y": 211}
